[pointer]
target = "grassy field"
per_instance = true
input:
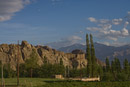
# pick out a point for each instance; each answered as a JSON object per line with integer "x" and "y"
{"x": 40, "y": 82}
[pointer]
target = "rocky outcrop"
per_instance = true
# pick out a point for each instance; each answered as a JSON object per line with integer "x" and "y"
{"x": 77, "y": 51}
{"x": 10, "y": 53}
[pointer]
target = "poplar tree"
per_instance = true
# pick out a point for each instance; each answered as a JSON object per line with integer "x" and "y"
{"x": 93, "y": 57}
{"x": 117, "y": 65}
{"x": 107, "y": 65}
{"x": 88, "y": 57}
{"x": 126, "y": 66}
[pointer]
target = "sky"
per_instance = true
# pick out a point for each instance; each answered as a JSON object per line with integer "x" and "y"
{"x": 60, "y": 23}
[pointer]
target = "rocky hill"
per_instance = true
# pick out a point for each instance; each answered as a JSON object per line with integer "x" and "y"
{"x": 103, "y": 51}
{"x": 9, "y": 54}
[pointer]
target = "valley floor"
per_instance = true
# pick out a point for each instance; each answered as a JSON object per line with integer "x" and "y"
{"x": 40, "y": 82}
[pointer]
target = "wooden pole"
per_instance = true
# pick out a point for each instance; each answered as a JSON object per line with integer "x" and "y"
{"x": 18, "y": 66}
{"x": 80, "y": 68}
{"x": 2, "y": 73}
{"x": 68, "y": 67}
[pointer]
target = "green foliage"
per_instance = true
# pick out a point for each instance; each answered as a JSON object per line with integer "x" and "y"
{"x": 122, "y": 77}
{"x": 8, "y": 72}
{"x": 115, "y": 72}
{"x": 100, "y": 71}
{"x": 67, "y": 71}
{"x": 75, "y": 73}
{"x": 108, "y": 77}
{"x": 88, "y": 57}
{"x": 86, "y": 84}
{"x": 61, "y": 61}
{"x": 45, "y": 60}
{"x": 22, "y": 71}
{"x": 78, "y": 72}
{"x": 93, "y": 58}
{"x": 113, "y": 66}
{"x": 107, "y": 65}
{"x": 50, "y": 70}
{"x": 126, "y": 66}
{"x": 31, "y": 63}
{"x": 42, "y": 82}
{"x": 117, "y": 65}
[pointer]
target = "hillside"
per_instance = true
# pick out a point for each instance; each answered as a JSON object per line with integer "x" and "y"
{"x": 103, "y": 51}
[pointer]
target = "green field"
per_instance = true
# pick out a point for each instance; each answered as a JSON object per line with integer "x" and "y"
{"x": 40, "y": 82}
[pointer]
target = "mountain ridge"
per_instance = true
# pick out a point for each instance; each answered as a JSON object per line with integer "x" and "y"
{"x": 102, "y": 51}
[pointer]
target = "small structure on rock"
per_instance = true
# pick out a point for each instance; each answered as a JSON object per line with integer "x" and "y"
{"x": 77, "y": 51}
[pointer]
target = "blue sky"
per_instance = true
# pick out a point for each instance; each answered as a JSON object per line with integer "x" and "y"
{"x": 61, "y": 23}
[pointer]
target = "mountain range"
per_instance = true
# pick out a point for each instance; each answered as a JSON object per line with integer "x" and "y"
{"x": 102, "y": 51}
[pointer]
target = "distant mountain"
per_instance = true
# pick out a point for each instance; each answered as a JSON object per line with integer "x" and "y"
{"x": 103, "y": 51}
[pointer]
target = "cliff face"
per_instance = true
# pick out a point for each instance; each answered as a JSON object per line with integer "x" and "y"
{"x": 9, "y": 54}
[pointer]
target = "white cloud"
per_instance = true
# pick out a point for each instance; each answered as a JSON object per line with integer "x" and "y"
{"x": 114, "y": 32}
{"x": 125, "y": 32}
{"x": 3, "y": 18}
{"x": 65, "y": 42}
{"x": 126, "y": 23}
{"x": 128, "y": 12}
{"x": 110, "y": 29}
{"x": 103, "y": 21}
{"x": 75, "y": 38}
{"x": 117, "y": 21}
{"x": 111, "y": 38}
{"x": 93, "y": 28}
{"x": 105, "y": 26}
{"x": 105, "y": 43}
{"x": 104, "y": 32}
{"x": 108, "y": 33}
{"x": 9, "y": 7}
{"x": 116, "y": 44}
{"x": 128, "y": 17}
{"x": 92, "y": 19}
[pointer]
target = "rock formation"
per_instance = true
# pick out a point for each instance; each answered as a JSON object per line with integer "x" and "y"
{"x": 9, "y": 54}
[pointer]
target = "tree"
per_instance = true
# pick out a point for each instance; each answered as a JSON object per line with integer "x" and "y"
{"x": 67, "y": 71}
{"x": 23, "y": 72}
{"x": 88, "y": 57}
{"x": 116, "y": 68}
{"x": 93, "y": 58}
{"x": 129, "y": 70}
{"x": 108, "y": 77}
{"x": 107, "y": 65}
{"x": 50, "y": 70}
{"x": 100, "y": 71}
{"x": 126, "y": 66}
{"x": 117, "y": 65}
{"x": 31, "y": 63}
{"x": 45, "y": 60}
{"x": 61, "y": 61}
{"x": 113, "y": 67}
